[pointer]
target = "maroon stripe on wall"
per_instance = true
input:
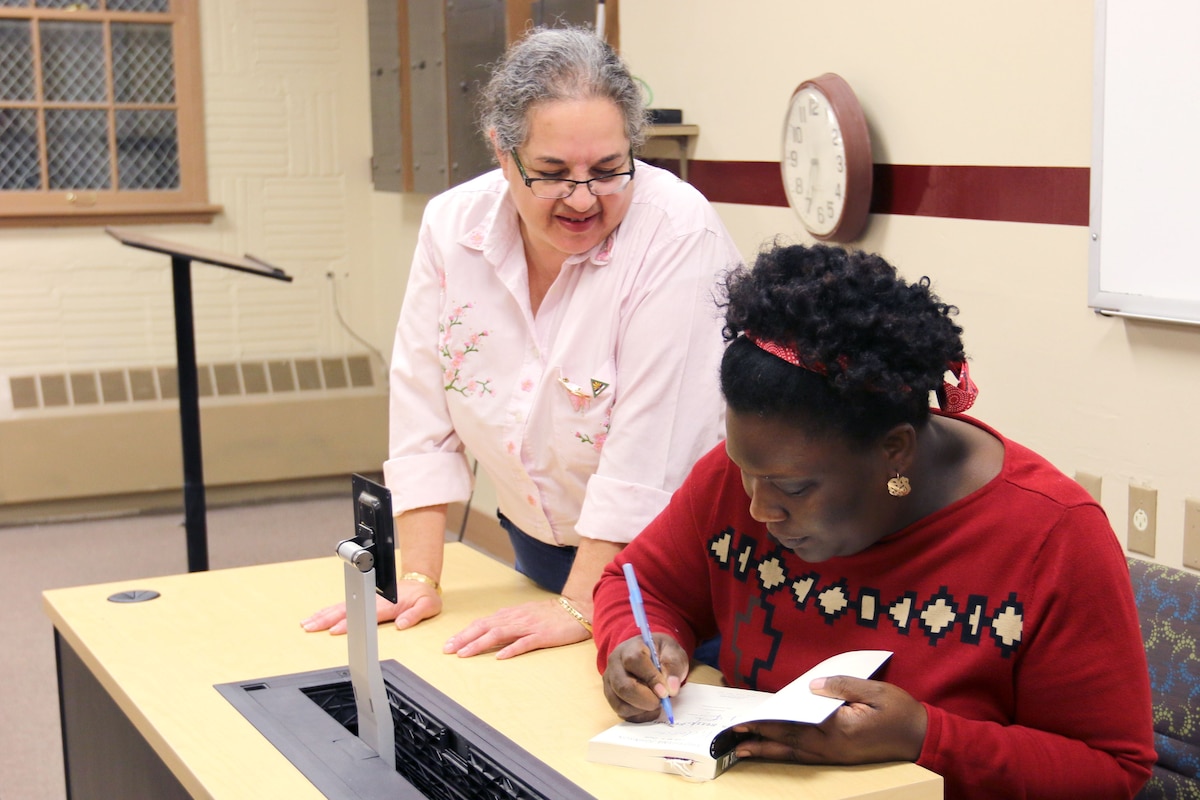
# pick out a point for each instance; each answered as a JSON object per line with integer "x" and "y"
{"x": 1048, "y": 195}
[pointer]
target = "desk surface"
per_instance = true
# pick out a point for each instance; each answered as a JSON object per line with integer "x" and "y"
{"x": 160, "y": 659}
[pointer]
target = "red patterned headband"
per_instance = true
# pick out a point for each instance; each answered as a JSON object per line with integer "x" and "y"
{"x": 952, "y": 399}
{"x": 788, "y": 353}
{"x": 957, "y": 399}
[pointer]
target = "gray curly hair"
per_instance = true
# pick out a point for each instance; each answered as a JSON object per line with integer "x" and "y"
{"x": 563, "y": 63}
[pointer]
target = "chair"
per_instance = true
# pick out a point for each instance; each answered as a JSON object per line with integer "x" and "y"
{"x": 1168, "y": 602}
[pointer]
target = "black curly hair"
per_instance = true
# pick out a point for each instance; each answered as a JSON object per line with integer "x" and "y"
{"x": 879, "y": 344}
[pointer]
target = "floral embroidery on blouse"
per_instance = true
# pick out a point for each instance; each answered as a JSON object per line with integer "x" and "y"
{"x": 475, "y": 238}
{"x": 605, "y": 252}
{"x": 454, "y": 353}
{"x": 598, "y": 440}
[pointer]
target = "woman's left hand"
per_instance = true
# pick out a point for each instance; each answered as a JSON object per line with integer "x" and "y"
{"x": 879, "y": 722}
{"x": 520, "y": 629}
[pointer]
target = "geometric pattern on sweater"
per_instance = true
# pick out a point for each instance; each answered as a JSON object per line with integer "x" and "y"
{"x": 970, "y": 619}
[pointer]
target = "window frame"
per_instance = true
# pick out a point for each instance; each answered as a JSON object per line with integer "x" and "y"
{"x": 188, "y": 203}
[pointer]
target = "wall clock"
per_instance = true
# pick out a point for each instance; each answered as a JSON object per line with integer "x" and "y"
{"x": 826, "y": 159}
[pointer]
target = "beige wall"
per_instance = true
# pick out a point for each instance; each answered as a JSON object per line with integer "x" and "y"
{"x": 286, "y": 110}
{"x": 942, "y": 83}
{"x": 288, "y": 134}
{"x": 971, "y": 84}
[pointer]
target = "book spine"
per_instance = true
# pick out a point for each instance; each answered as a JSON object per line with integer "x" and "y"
{"x": 725, "y": 762}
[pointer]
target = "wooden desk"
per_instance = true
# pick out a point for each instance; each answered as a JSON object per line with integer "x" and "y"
{"x": 159, "y": 660}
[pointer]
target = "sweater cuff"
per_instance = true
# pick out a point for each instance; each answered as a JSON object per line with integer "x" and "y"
{"x": 934, "y": 725}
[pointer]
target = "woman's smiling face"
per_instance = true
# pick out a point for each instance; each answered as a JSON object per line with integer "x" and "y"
{"x": 817, "y": 496}
{"x": 580, "y": 140}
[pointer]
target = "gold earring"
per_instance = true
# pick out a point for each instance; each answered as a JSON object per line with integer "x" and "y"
{"x": 899, "y": 486}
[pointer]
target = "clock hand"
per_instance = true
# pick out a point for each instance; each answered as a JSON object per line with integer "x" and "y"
{"x": 813, "y": 171}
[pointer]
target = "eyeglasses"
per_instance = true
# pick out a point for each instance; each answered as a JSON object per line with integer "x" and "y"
{"x": 558, "y": 188}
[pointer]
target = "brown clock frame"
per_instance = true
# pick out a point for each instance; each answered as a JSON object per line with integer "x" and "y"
{"x": 859, "y": 164}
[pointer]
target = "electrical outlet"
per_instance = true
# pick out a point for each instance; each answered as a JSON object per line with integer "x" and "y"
{"x": 1191, "y": 533}
{"x": 1143, "y": 519}
{"x": 1089, "y": 482}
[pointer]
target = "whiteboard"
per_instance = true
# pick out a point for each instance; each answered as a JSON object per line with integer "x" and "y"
{"x": 1144, "y": 260}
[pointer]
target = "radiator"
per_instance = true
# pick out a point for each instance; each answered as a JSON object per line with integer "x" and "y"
{"x": 90, "y": 433}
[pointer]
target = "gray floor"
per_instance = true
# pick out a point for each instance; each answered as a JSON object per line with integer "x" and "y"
{"x": 40, "y": 557}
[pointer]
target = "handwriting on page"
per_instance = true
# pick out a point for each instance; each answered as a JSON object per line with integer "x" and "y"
{"x": 696, "y": 722}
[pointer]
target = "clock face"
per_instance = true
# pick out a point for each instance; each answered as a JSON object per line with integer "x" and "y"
{"x": 814, "y": 162}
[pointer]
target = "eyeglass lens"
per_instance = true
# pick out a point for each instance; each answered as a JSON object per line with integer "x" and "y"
{"x": 557, "y": 189}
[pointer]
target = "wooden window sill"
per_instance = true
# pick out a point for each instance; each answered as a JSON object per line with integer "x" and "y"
{"x": 126, "y": 215}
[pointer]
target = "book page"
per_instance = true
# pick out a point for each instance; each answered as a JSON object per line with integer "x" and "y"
{"x": 796, "y": 702}
{"x": 701, "y": 712}
{"x": 700, "y": 743}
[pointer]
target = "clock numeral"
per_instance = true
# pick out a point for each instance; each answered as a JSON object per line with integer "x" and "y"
{"x": 814, "y": 107}
{"x": 829, "y": 206}
{"x": 798, "y": 186}
{"x": 797, "y": 134}
{"x": 841, "y": 163}
{"x": 837, "y": 190}
{"x": 836, "y": 136}
{"x": 820, "y": 214}
{"x": 793, "y": 158}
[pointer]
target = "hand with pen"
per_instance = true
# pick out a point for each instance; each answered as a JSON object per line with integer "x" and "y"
{"x": 646, "y": 671}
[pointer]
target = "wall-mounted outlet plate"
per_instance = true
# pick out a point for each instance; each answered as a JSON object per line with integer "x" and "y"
{"x": 1089, "y": 482}
{"x": 1143, "y": 519}
{"x": 1191, "y": 533}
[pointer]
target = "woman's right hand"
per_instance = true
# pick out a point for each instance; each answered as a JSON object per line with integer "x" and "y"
{"x": 415, "y": 601}
{"x": 633, "y": 687}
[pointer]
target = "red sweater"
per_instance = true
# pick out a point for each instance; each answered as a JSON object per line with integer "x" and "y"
{"x": 1010, "y": 613}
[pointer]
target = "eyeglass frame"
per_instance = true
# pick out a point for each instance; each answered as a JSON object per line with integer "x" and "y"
{"x": 588, "y": 183}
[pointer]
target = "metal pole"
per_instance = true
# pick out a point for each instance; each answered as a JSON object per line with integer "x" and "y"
{"x": 189, "y": 417}
{"x": 376, "y": 727}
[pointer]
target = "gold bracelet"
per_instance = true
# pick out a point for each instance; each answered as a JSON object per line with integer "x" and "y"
{"x": 574, "y": 612}
{"x": 422, "y": 578}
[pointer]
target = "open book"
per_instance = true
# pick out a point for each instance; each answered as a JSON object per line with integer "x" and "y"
{"x": 700, "y": 745}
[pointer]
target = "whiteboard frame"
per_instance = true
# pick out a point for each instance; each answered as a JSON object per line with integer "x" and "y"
{"x": 1117, "y": 304}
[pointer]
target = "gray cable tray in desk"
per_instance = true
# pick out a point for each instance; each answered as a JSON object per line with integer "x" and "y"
{"x": 443, "y": 751}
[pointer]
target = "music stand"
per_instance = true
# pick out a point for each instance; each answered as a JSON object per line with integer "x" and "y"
{"x": 182, "y": 257}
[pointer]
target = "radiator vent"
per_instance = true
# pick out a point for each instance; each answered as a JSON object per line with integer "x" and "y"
{"x": 124, "y": 387}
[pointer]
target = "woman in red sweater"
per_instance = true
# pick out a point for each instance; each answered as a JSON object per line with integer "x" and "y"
{"x": 843, "y": 513}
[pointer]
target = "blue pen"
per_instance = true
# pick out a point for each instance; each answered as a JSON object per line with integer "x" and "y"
{"x": 639, "y": 616}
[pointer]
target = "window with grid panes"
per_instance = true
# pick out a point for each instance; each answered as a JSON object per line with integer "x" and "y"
{"x": 100, "y": 112}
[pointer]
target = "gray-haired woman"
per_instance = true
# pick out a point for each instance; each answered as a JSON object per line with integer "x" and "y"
{"x": 560, "y": 326}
